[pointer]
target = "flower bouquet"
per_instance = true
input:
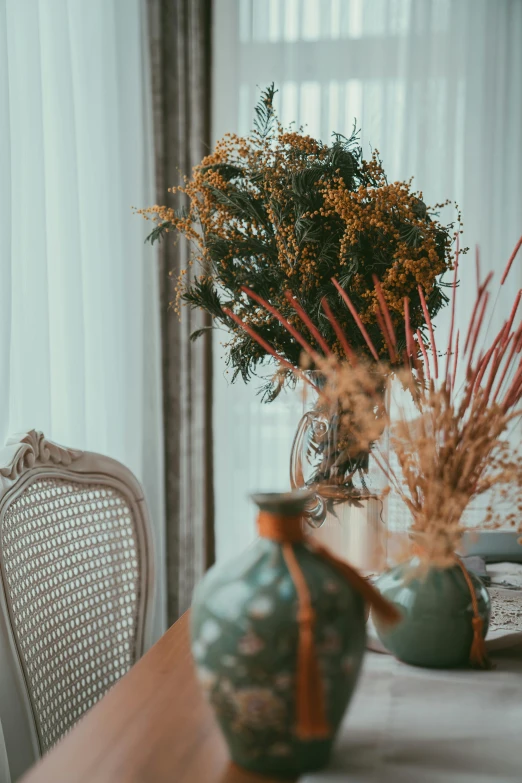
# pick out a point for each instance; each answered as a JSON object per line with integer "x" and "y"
{"x": 277, "y": 216}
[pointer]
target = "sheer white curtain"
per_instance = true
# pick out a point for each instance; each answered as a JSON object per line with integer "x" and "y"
{"x": 436, "y": 87}
{"x": 79, "y": 334}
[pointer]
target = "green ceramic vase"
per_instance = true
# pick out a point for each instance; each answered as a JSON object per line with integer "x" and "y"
{"x": 436, "y": 630}
{"x": 244, "y": 643}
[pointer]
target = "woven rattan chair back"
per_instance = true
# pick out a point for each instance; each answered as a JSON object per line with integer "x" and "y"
{"x": 76, "y": 576}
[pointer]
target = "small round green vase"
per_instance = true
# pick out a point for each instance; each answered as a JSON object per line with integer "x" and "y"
{"x": 245, "y": 640}
{"x": 436, "y": 630}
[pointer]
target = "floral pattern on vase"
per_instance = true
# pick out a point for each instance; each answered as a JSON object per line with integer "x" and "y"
{"x": 245, "y": 641}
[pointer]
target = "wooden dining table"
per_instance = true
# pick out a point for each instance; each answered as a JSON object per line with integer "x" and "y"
{"x": 154, "y": 725}
{"x": 405, "y": 725}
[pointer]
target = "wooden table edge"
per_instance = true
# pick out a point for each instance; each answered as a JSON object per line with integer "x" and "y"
{"x": 154, "y": 725}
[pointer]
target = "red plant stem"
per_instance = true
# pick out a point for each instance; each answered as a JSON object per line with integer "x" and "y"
{"x": 503, "y": 346}
{"x": 512, "y": 315}
{"x": 507, "y": 365}
{"x": 288, "y": 326}
{"x": 519, "y": 344}
{"x": 456, "y": 363}
{"x": 512, "y": 393}
{"x": 472, "y": 322}
{"x": 430, "y": 329}
{"x": 382, "y": 326}
{"x": 478, "y": 300}
{"x": 357, "y": 319}
{"x": 493, "y": 371}
{"x": 487, "y": 281}
{"x": 307, "y": 322}
{"x": 496, "y": 348}
{"x": 510, "y": 261}
{"x": 424, "y": 354}
{"x": 266, "y": 346}
{"x": 453, "y": 304}
{"x": 350, "y": 355}
{"x": 477, "y": 328}
{"x": 518, "y": 339}
{"x": 501, "y": 338}
{"x": 482, "y": 367}
{"x": 471, "y": 383}
{"x": 385, "y": 310}
{"x": 518, "y": 334}
{"x": 498, "y": 342}
{"x": 409, "y": 335}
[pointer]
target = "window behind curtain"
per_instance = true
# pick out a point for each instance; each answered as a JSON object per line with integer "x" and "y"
{"x": 436, "y": 87}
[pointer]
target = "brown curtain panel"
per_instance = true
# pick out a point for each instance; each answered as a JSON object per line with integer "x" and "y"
{"x": 180, "y": 38}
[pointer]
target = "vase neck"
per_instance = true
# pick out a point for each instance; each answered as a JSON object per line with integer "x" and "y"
{"x": 280, "y": 527}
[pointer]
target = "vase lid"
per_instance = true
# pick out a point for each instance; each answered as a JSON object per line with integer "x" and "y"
{"x": 286, "y": 503}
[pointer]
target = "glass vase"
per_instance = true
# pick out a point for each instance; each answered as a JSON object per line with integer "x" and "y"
{"x": 348, "y": 510}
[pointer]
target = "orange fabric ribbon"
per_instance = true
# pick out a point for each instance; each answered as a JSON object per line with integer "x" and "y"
{"x": 310, "y": 699}
{"x": 478, "y": 656}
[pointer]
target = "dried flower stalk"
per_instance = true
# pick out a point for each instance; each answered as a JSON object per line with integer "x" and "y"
{"x": 456, "y": 447}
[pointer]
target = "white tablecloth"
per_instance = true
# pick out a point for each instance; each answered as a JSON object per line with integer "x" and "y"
{"x": 411, "y": 725}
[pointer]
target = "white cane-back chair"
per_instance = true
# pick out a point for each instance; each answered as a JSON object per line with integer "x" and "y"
{"x": 76, "y": 587}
